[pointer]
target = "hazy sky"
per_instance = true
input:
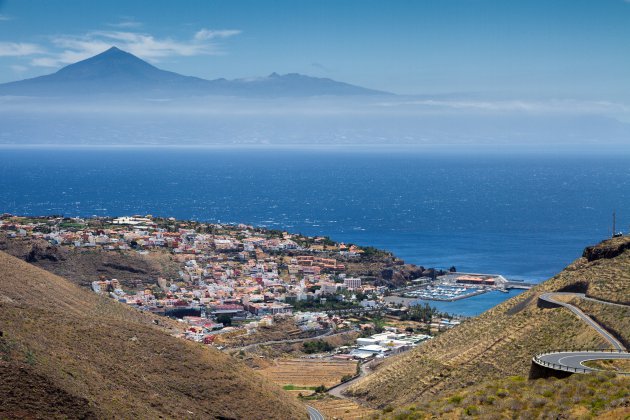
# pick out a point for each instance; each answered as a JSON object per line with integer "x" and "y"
{"x": 510, "y": 48}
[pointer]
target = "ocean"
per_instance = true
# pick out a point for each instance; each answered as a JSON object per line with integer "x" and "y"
{"x": 524, "y": 216}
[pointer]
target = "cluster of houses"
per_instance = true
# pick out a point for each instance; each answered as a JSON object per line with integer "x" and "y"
{"x": 235, "y": 271}
{"x": 230, "y": 277}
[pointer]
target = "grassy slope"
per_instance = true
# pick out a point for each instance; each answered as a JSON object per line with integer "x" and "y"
{"x": 576, "y": 397}
{"x": 107, "y": 360}
{"x": 497, "y": 344}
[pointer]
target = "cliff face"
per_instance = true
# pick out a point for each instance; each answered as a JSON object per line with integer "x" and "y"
{"x": 66, "y": 352}
{"x": 607, "y": 249}
{"x": 502, "y": 341}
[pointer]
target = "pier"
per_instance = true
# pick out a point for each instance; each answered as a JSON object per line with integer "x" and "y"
{"x": 511, "y": 284}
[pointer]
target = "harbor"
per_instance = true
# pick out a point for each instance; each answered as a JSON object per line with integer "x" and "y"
{"x": 444, "y": 293}
{"x": 466, "y": 294}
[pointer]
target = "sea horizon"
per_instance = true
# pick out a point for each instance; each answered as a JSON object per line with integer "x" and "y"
{"x": 525, "y": 217}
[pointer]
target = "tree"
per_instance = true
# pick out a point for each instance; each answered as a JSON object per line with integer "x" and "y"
{"x": 224, "y": 319}
{"x": 317, "y": 346}
{"x": 320, "y": 389}
{"x": 420, "y": 313}
{"x": 379, "y": 323}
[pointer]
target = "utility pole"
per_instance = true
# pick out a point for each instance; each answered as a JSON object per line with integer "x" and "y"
{"x": 614, "y": 228}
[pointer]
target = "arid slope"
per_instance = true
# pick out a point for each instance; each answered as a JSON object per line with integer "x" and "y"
{"x": 66, "y": 352}
{"x": 84, "y": 265}
{"x": 502, "y": 341}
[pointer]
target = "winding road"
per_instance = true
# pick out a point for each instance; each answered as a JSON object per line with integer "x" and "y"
{"x": 568, "y": 361}
{"x": 549, "y": 297}
{"x": 338, "y": 389}
{"x": 314, "y": 414}
{"x": 573, "y": 360}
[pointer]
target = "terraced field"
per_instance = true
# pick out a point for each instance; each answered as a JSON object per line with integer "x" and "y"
{"x": 306, "y": 372}
{"x": 334, "y": 408}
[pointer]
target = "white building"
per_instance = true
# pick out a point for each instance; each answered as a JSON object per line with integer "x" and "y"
{"x": 352, "y": 283}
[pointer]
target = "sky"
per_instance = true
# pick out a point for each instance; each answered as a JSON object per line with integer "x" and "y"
{"x": 548, "y": 49}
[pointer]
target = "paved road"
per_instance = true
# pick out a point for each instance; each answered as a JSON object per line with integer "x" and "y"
{"x": 572, "y": 361}
{"x": 363, "y": 370}
{"x": 314, "y": 414}
{"x": 549, "y": 297}
{"x": 583, "y": 296}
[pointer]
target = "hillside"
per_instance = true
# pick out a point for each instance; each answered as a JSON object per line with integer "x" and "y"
{"x": 84, "y": 265}
{"x": 604, "y": 395}
{"x": 65, "y": 352}
{"x": 502, "y": 341}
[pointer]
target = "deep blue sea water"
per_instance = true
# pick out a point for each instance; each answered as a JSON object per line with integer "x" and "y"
{"x": 525, "y": 216}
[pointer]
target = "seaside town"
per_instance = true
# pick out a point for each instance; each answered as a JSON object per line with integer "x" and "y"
{"x": 234, "y": 280}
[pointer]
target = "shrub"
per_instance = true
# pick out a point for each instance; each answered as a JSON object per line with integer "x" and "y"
{"x": 29, "y": 357}
{"x": 502, "y": 393}
{"x": 320, "y": 389}
{"x": 547, "y": 393}
{"x": 472, "y": 410}
{"x": 317, "y": 346}
{"x": 456, "y": 399}
{"x": 597, "y": 404}
{"x": 486, "y": 399}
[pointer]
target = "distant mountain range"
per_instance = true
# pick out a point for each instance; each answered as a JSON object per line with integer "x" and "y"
{"x": 117, "y": 72}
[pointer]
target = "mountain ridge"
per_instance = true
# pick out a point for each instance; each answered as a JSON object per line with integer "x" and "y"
{"x": 117, "y": 72}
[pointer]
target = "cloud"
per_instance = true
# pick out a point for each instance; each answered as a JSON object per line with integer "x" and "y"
{"x": 126, "y": 23}
{"x": 206, "y": 34}
{"x": 566, "y": 106}
{"x": 73, "y": 48}
{"x": 19, "y": 69}
{"x": 4, "y": 18}
{"x": 19, "y": 49}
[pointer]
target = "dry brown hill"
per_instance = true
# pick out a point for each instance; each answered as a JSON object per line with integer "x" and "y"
{"x": 68, "y": 353}
{"x": 84, "y": 265}
{"x": 502, "y": 341}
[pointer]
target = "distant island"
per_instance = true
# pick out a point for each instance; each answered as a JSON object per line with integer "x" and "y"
{"x": 116, "y": 72}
